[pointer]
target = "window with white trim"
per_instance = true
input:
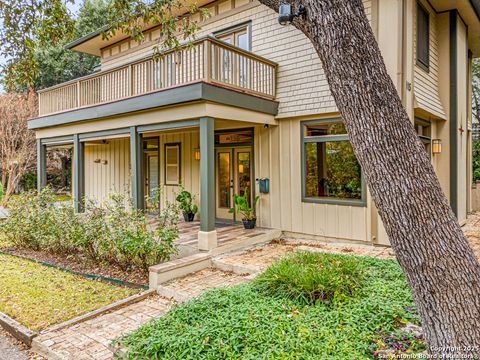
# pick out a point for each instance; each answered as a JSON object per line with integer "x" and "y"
{"x": 172, "y": 164}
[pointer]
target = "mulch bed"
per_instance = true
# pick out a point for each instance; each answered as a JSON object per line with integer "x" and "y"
{"x": 82, "y": 265}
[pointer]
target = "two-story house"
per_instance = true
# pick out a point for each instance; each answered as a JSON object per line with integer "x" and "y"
{"x": 249, "y": 102}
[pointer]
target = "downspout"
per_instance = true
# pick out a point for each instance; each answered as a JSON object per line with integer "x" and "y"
{"x": 453, "y": 113}
{"x": 403, "y": 65}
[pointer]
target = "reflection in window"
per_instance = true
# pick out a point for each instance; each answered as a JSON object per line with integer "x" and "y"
{"x": 172, "y": 164}
{"x": 223, "y": 159}
{"x": 331, "y": 169}
{"x": 424, "y": 132}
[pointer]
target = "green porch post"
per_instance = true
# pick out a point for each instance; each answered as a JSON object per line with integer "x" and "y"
{"x": 41, "y": 165}
{"x": 207, "y": 236}
{"x": 78, "y": 173}
{"x": 136, "y": 168}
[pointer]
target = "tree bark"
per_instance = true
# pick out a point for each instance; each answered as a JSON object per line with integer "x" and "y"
{"x": 440, "y": 267}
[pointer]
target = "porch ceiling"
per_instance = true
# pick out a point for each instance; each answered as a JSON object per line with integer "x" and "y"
{"x": 214, "y": 98}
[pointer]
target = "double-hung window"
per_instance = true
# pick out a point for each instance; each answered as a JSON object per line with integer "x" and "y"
{"x": 172, "y": 164}
{"x": 331, "y": 172}
{"x": 423, "y": 37}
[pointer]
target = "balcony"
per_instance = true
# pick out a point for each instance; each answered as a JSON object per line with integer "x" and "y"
{"x": 207, "y": 59}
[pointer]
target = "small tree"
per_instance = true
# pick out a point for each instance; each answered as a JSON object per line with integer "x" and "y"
{"x": 17, "y": 143}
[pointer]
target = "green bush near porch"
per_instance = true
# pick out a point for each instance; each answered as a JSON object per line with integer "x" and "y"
{"x": 113, "y": 232}
{"x": 245, "y": 322}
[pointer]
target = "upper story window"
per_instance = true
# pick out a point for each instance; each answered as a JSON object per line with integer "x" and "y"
{"x": 238, "y": 36}
{"x": 423, "y": 37}
{"x": 331, "y": 172}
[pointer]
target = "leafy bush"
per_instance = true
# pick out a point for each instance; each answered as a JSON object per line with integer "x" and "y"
{"x": 113, "y": 232}
{"x": 308, "y": 277}
{"x": 244, "y": 323}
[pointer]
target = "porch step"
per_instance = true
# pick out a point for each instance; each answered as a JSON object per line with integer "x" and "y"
{"x": 164, "y": 272}
{"x": 244, "y": 239}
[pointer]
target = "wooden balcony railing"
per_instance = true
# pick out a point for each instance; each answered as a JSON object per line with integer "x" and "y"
{"x": 207, "y": 59}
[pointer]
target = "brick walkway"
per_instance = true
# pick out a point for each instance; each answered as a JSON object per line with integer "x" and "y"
{"x": 91, "y": 339}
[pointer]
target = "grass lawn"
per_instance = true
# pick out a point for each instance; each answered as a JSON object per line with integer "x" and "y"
{"x": 267, "y": 319}
{"x": 38, "y": 296}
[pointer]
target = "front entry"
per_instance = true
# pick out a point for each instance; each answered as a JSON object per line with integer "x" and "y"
{"x": 234, "y": 173}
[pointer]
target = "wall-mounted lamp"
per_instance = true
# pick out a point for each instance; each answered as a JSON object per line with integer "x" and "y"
{"x": 197, "y": 154}
{"x": 286, "y": 16}
{"x": 436, "y": 146}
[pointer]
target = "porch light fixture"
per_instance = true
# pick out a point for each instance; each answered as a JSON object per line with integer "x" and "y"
{"x": 197, "y": 154}
{"x": 436, "y": 146}
{"x": 286, "y": 16}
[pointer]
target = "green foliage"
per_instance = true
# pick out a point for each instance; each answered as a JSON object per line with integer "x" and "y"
{"x": 308, "y": 277}
{"x": 27, "y": 25}
{"x": 113, "y": 232}
{"x": 1, "y": 192}
{"x": 245, "y": 323}
{"x": 57, "y": 64}
{"x": 185, "y": 199}
{"x": 242, "y": 206}
{"x": 476, "y": 160}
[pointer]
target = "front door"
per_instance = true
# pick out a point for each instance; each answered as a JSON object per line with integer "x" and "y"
{"x": 233, "y": 176}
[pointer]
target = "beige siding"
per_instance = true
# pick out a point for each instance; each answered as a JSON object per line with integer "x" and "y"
{"x": 426, "y": 84}
{"x": 299, "y": 92}
{"x": 278, "y": 157}
{"x": 114, "y": 176}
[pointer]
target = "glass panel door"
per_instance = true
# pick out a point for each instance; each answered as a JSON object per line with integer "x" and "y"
{"x": 233, "y": 176}
{"x": 224, "y": 183}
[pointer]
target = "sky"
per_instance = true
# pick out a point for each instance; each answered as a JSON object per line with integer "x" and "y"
{"x": 72, "y": 7}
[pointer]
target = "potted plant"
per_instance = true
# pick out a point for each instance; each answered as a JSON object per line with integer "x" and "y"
{"x": 186, "y": 205}
{"x": 242, "y": 205}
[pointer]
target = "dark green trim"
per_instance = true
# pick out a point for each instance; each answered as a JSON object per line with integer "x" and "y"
{"x": 136, "y": 168}
{"x": 207, "y": 174}
{"x": 41, "y": 165}
{"x": 179, "y": 145}
{"x": 168, "y": 126}
{"x": 453, "y": 113}
{"x": 183, "y": 94}
{"x": 104, "y": 133}
{"x": 303, "y": 142}
{"x": 57, "y": 140}
{"x": 78, "y": 173}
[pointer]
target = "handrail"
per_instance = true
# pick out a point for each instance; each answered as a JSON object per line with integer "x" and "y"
{"x": 207, "y": 58}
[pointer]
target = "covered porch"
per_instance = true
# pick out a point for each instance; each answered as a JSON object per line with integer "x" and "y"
{"x": 211, "y": 158}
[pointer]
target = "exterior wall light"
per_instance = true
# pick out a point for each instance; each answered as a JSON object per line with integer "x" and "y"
{"x": 286, "y": 16}
{"x": 197, "y": 154}
{"x": 436, "y": 146}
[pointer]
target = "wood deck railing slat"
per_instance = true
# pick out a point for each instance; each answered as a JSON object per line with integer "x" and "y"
{"x": 208, "y": 60}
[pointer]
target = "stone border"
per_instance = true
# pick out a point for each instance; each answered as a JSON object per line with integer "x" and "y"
{"x": 17, "y": 330}
{"x": 118, "y": 304}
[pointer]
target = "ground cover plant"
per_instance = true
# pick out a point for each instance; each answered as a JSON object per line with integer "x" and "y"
{"x": 252, "y": 321}
{"x": 38, "y": 296}
{"x": 112, "y": 232}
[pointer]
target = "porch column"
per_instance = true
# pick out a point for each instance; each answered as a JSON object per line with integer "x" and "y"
{"x": 78, "y": 173}
{"x": 136, "y": 168}
{"x": 207, "y": 236}
{"x": 41, "y": 165}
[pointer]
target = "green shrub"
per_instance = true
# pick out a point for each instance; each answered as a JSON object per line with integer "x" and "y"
{"x": 244, "y": 323}
{"x": 113, "y": 232}
{"x": 309, "y": 277}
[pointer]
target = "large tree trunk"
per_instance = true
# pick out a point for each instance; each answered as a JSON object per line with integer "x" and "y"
{"x": 440, "y": 267}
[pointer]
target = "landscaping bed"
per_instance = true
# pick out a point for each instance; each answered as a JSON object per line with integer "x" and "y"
{"x": 38, "y": 296}
{"x": 77, "y": 263}
{"x": 308, "y": 306}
